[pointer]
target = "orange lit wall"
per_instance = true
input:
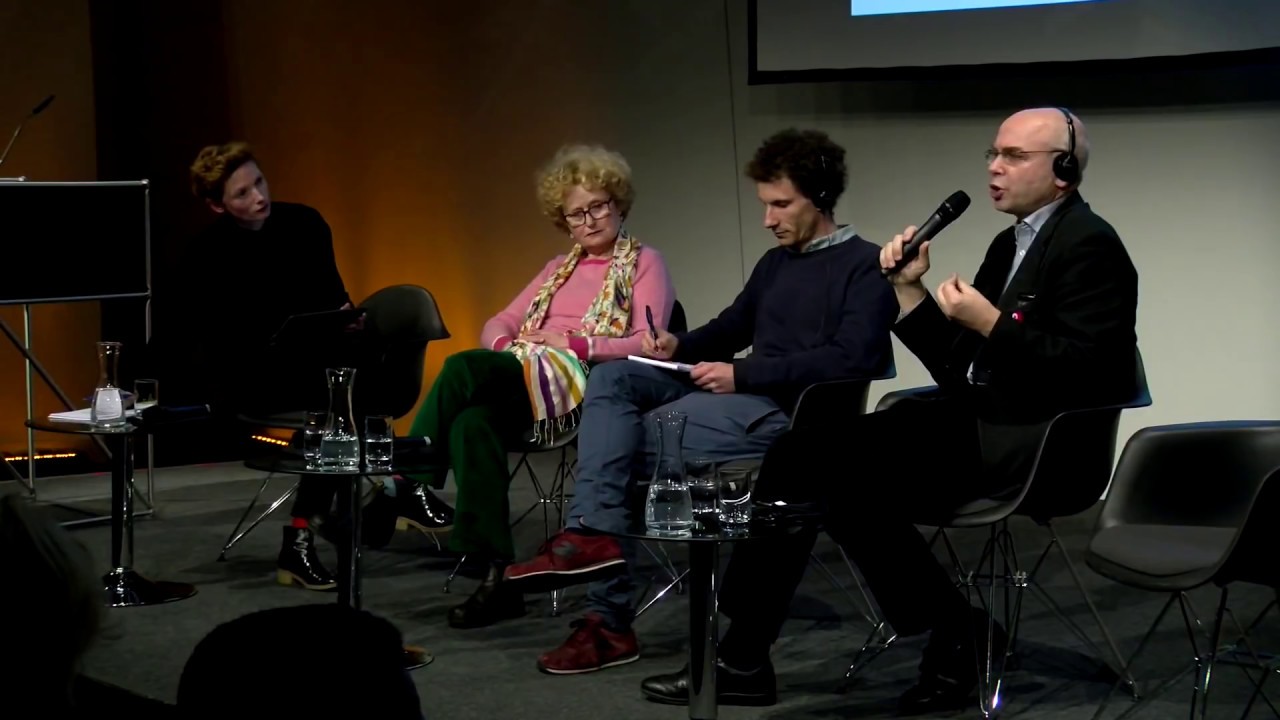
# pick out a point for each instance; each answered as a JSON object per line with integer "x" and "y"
{"x": 379, "y": 117}
{"x": 44, "y": 48}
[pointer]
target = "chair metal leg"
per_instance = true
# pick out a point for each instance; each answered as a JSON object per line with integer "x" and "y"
{"x": 555, "y": 495}
{"x": 1120, "y": 669}
{"x": 236, "y": 535}
{"x": 659, "y": 595}
{"x": 1204, "y": 661}
{"x": 1206, "y": 665}
{"x": 454, "y": 573}
{"x": 1142, "y": 644}
{"x": 1267, "y": 668}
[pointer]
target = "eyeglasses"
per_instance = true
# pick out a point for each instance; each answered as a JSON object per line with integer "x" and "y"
{"x": 597, "y": 211}
{"x": 1014, "y": 156}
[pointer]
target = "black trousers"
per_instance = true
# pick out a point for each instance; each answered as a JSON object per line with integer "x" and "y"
{"x": 874, "y": 477}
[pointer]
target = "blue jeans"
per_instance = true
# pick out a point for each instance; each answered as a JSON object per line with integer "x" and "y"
{"x": 616, "y": 442}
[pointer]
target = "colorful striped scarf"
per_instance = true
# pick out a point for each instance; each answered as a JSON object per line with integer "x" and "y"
{"x": 557, "y": 379}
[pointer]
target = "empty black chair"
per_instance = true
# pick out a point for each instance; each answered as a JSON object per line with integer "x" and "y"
{"x": 1190, "y": 505}
{"x": 400, "y": 321}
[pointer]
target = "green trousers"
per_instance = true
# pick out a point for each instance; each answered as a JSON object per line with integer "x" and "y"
{"x": 477, "y": 409}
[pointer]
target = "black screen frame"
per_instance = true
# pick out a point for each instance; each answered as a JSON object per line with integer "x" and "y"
{"x": 143, "y": 188}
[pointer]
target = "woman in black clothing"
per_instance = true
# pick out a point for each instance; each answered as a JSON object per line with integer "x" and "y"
{"x": 259, "y": 263}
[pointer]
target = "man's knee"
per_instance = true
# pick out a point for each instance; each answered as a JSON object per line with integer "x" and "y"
{"x": 617, "y": 377}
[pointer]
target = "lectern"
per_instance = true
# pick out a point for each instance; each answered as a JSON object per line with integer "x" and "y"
{"x": 67, "y": 242}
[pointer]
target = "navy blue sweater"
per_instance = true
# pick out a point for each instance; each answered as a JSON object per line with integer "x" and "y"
{"x": 808, "y": 317}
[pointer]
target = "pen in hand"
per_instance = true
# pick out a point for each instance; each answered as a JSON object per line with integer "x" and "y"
{"x": 648, "y": 314}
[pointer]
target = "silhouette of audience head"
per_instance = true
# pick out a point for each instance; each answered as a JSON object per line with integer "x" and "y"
{"x": 314, "y": 661}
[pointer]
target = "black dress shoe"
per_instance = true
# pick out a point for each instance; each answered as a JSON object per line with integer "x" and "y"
{"x": 419, "y": 508}
{"x": 756, "y": 688}
{"x": 934, "y": 694}
{"x": 493, "y": 601}
{"x": 949, "y": 669}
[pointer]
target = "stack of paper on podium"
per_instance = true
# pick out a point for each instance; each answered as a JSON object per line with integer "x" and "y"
{"x": 83, "y": 415}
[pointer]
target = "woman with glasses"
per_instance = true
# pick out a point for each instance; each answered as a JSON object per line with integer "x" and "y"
{"x": 529, "y": 374}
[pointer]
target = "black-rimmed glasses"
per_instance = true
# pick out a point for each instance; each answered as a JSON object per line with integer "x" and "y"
{"x": 597, "y": 211}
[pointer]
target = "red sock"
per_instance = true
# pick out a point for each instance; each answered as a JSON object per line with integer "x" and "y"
{"x": 300, "y": 523}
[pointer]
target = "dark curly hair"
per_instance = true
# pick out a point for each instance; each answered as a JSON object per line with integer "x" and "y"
{"x": 813, "y": 162}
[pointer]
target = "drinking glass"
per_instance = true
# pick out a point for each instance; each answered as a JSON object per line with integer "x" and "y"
{"x": 312, "y": 435}
{"x": 378, "y": 436}
{"x": 735, "y": 496}
{"x": 146, "y": 393}
{"x": 703, "y": 489}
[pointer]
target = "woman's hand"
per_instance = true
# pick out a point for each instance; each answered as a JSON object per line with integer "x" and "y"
{"x": 540, "y": 337}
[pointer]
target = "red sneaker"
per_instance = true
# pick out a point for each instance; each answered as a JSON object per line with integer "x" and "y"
{"x": 591, "y": 647}
{"x": 567, "y": 559}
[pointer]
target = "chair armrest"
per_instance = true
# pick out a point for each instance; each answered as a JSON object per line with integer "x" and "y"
{"x": 904, "y": 394}
{"x": 830, "y": 401}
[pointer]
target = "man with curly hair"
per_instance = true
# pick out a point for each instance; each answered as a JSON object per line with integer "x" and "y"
{"x": 814, "y": 309}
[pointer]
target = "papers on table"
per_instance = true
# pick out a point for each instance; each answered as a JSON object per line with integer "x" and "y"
{"x": 83, "y": 415}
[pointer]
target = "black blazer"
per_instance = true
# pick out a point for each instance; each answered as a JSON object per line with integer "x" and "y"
{"x": 1066, "y": 335}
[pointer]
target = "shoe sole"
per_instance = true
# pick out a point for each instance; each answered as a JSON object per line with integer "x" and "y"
{"x": 550, "y": 580}
{"x": 288, "y": 579}
{"x": 406, "y": 524}
{"x": 721, "y": 699}
{"x": 606, "y": 666}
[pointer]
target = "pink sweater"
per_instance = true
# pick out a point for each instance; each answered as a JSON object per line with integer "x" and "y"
{"x": 652, "y": 287}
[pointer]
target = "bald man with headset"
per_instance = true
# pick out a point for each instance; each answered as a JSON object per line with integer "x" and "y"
{"x": 1047, "y": 325}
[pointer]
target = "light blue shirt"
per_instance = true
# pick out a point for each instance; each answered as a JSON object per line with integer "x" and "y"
{"x": 841, "y": 235}
{"x": 1024, "y": 233}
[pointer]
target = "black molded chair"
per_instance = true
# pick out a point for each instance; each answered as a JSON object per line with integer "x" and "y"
{"x": 1069, "y": 474}
{"x": 1220, "y": 525}
{"x": 402, "y": 319}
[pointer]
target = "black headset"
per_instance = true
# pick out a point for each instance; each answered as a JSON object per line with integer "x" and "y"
{"x": 1066, "y": 166}
{"x": 822, "y": 194}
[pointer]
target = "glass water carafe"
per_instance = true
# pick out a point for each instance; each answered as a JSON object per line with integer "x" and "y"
{"x": 668, "y": 510}
{"x": 340, "y": 443}
{"x": 107, "y": 408}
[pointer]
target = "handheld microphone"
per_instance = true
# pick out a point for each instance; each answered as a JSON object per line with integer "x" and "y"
{"x": 950, "y": 209}
{"x": 34, "y": 112}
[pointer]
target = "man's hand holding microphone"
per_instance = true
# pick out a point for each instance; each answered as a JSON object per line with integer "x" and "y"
{"x": 957, "y": 299}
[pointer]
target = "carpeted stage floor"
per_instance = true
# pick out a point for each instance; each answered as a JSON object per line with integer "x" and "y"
{"x": 144, "y": 648}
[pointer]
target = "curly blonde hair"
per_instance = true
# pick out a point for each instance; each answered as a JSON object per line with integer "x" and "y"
{"x": 214, "y": 165}
{"x": 591, "y": 166}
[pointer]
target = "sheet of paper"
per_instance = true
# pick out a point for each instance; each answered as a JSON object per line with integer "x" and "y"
{"x": 664, "y": 364}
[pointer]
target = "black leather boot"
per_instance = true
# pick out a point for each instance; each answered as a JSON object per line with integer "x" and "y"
{"x": 492, "y": 602}
{"x": 420, "y": 509}
{"x": 949, "y": 668}
{"x": 755, "y": 688}
{"x": 298, "y": 562}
